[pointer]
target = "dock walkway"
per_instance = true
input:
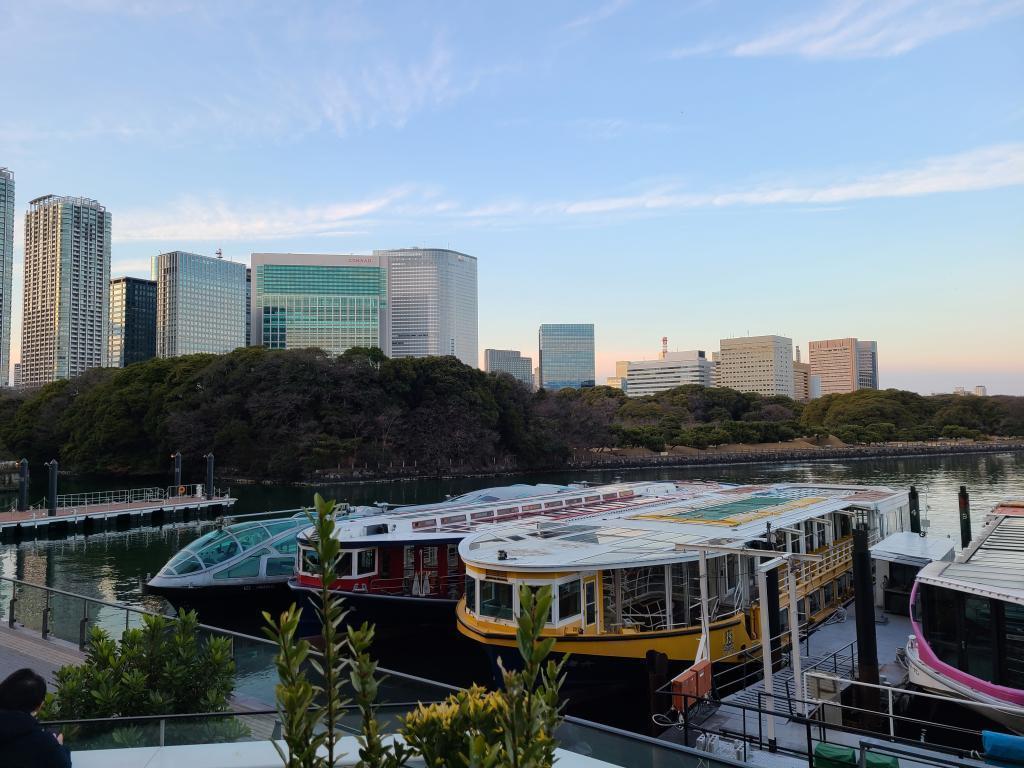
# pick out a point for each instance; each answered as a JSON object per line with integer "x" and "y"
{"x": 25, "y": 648}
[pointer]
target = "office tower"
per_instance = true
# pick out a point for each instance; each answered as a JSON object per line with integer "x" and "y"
{"x": 132, "y": 336}
{"x": 801, "y": 379}
{"x": 248, "y": 306}
{"x": 16, "y": 377}
{"x": 67, "y": 289}
{"x": 6, "y": 269}
{"x": 433, "y": 299}
{"x": 670, "y": 370}
{"x": 566, "y": 355}
{"x": 329, "y": 301}
{"x": 981, "y": 390}
{"x": 836, "y": 362}
{"x": 867, "y": 364}
{"x": 200, "y": 304}
{"x": 761, "y": 364}
{"x": 618, "y": 381}
{"x": 509, "y": 361}
{"x": 959, "y": 391}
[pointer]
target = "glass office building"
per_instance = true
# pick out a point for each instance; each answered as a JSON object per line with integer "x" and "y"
{"x": 200, "y": 304}
{"x": 6, "y": 269}
{"x": 132, "y": 336}
{"x": 566, "y": 355}
{"x": 509, "y": 361}
{"x": 67, "y": 289}
{"x": 328, "y": 301}
{"x": 433, "y": 294}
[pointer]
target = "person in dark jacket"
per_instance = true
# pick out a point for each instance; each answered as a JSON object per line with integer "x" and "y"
{"x": 24, "y": 743}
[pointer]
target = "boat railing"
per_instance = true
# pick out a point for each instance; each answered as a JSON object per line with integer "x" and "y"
{"x": 421, "y": 584}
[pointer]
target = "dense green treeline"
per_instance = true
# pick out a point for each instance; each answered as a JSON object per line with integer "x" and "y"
{"x": 287, "y": 415}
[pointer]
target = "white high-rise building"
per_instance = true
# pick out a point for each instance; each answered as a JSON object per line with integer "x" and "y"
{"x": 66, "y": 297}
{"x": 433, "y": 296}
{"x": 510, "y": 361}
{"x": 672, "y": 369}
{"x": 761, "y": 364}
{"x": 6, "y": 269}
{"x": 200, "y": 304}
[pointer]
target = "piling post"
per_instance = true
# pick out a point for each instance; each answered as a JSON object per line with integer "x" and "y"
{"x": 51, "y": 504}
{"x": 209, "y": 476}
{"x": 177, "y": 471}
{"x": 23, "y": 486}
{"x": 867, "y": 642}
{"x": 915, "y": 511}
{"x": 965, "y": 516}
{"x": 774, "y": 619}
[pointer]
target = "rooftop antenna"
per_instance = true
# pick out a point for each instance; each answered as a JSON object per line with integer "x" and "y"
{"x": 664, "y": 347}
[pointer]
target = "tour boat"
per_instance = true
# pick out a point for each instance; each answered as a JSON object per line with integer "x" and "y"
{"x": 627, "y": 582}
{"x": 968, "y": 621}
{"x": 403, "y": 567}
{"x": 244, "y": 568}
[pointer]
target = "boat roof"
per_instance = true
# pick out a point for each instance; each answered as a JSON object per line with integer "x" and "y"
{"x": 993, "y": 564}
{"x": 453, "y": 520}
{"x": 910, "y": 548}
{"x": 715, "y": 514}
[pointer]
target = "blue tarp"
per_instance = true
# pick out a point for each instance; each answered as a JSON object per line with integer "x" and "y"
{"x": 1002, "y": 748}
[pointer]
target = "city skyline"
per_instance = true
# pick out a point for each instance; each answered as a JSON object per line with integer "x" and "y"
{"x": 876, "y": 197}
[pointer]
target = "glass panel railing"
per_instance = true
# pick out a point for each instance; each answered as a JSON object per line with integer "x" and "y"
{"x": 630, "y": 750}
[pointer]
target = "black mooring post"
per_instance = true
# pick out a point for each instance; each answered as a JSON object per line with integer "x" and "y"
{"x": 867, "y": 643}
{"x": 23, "y": 486}
{"x": 177, "y": 470}
{"x": 965, "y": 517}
{"x": 209, "y": 476}
{"x": 915, "y": 511}
{"x": 51, "y": 502}
{"x": 774, "y": 620}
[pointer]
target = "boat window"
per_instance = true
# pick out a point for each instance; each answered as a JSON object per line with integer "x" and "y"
{"x": 287, "y": 546}
{"x": 569, "y": 606}
{"x": 453, "y": 558}
{"x": 183, "y": 563}
{"x": 205, "y": 539}
{"x": 280, "y": 566}
{"x": 471, "y": 594}
{"x": 247, "y": 569}
{"x": 940, "y": 611}
{"x": 281, "y": 526}
{"x": 550, "y": 620}
{"x": 251, "y": 537}
{"x": 495, "y": 600}
{"x": 343, "y": 565}
{"x": 366, "y": 561}
{"x": 310, "y": 561}
{"x": 430, "y": 557}
{"x": 223, "y": 548}
{"x": 978, "y": 636}
{"x": 375, "y": 530}
{"x": 590, "y": 592}
{"x": 1013, "y": 651}
{"x": 814, "y": 601}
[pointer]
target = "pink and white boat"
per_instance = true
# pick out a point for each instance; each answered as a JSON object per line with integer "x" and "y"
{"x": 968, "y": 620}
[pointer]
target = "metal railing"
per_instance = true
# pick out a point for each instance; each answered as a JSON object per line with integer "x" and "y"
{"x": 129, "y": 496}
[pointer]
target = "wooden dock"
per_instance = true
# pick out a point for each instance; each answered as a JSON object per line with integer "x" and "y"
{"x": 88, "y": 513}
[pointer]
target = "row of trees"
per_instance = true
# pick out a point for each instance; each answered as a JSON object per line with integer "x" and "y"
{"x": 289, "y": 414}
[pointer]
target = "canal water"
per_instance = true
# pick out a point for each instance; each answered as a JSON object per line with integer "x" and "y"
{"x": 112, "y": 566}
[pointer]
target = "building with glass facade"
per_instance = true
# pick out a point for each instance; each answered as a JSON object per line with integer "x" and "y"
{"x": 328, "y": 301}
{"x": 509, "y": 361}
{"x": 67, "y": 289}
{"x": 566, "y": 355}
{"x": 867, "y": 364}
{"x": 6, "y": 270}
{"x": 132, "y": 336}
{"x": 200, "y": 304}
{"x": 433, "y": 294}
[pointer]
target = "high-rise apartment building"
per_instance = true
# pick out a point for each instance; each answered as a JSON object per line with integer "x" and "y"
{"x": 16, "y": 376}
{"x": 672, "y": 369}
{"x": 6, "y": 270}
{"x": 761, "y": 364}
{"x": 566, "y": 356}
{"x": 867, "y": 364}
{"x": 835, "y": 361}
{"x": 433, "y": 295}
{"x": 248, "y": 307}
{"x": 510, "y": 361}
{"x": 67, "y": 285}
{"x": 329, "y": 301}
{"x": 200, "y": 304}
{"x": 981, "y": 390}
{"x": 132, "y": 335}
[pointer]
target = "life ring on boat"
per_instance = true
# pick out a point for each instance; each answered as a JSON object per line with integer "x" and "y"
{"x": 181, "y": 490}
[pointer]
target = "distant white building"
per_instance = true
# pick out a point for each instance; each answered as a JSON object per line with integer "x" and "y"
{"x": 761, "y": 364}
{"x": 981, "y": 390}
{"x": 670, "y": 370}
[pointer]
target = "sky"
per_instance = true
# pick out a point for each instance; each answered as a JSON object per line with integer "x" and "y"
{"x": 690, "y": 169}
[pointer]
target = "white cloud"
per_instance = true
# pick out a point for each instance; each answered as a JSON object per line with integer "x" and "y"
{"x": 875, "y": 28}
{"x": 602, "y": 12}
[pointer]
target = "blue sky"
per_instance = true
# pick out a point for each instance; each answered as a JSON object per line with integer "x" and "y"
{"x": 693, "y": 170}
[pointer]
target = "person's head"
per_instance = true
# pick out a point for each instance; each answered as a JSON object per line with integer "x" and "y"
{"x": 22, "y": 691}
